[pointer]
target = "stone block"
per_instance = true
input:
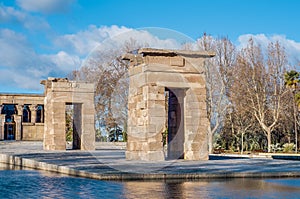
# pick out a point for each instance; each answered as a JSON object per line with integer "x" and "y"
{"x": 154, "y": 156}
{"x": 141, "y": 105}
{"x": 197, "y": 137}
{"x": 157, "y": 59}
{"x": 135, "y": 70}
{"x": 132, "y": 155}
{"x": 155, "y": 146}
{"x": 155, "y": 97}
{"x": 199, "y": 92}
{"x": 140, "y": 121}
{"x": 195, "y": 155}
{"x": 194, "y": 78}
{"x": 157, "y": 112}
{"x": 177, "y": 61}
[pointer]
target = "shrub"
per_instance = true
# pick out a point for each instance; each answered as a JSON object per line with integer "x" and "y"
{"x": 275, "y": 147}
{"x": 288, "y": 147}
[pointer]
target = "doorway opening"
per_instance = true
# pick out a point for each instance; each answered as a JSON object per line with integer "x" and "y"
{"x": 26, "y": 115}
{"x": 10, "y": 130}
{"x": 175, "y": 122}
{"x": 9, "y": 110}
{"x": 73, "y": 125}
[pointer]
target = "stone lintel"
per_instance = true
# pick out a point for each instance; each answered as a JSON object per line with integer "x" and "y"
{"x": 173, "y": 53}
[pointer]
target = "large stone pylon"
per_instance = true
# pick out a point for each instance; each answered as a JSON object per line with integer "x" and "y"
{"x": 167, "y": 93}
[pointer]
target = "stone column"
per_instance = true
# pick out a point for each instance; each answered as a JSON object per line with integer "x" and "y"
{"x": 18, "y": 126}
{"x": 87, "y": 122}
{"x": 55, "y": 134}
{"x": 146, "y": 122}
{"x": 18, "y": 121}
{"x": 2, "y": 122}
{"x": 20, "y": 109}
{"x": 32, "y": 109}
{"x": 42, "y": 114}
{"x": 196, "y": 124}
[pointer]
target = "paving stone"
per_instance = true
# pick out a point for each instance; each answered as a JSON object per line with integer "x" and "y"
{"x": 110, "y": 164}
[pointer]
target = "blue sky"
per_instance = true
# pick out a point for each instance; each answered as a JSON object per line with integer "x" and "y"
{"x": 41, "y": 38}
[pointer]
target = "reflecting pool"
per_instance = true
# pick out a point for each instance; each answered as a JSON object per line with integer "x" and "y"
{"x": 16, "y": 183}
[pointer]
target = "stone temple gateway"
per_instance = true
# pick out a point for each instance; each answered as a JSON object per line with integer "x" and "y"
{"x": 167, "y": 93}
{"x": 35, "y": 117}
{"x": 58, "y": 94}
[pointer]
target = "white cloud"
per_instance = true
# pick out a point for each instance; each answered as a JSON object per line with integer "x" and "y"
{"x": 11, "y": 15}
{"x": 63, "y": 61}
{"x": 17, "y": 79}
{"x": 260, "y": 39}
{"x": 144, "y": 37}
{"x": 45, "y": 6}
{"x": 15, "y": 49}
{"x": 21, "y": 66}
{"x": 291, "y": 47}
{"x": 104, "y": 37}
{"x": 19, "y": 63}
{"x": 99, "y": 44}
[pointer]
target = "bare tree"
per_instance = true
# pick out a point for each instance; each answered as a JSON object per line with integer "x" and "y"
{"x": 262, "y": 80}
{"x": 218, "y": 78}
{"x": 108, "y": 71}
{"x": 242, "y": 121}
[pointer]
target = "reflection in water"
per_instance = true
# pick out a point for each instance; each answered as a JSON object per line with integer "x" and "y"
{"x": 227, "y": 188}
{"x": 8, "y": 167}
{"x": 39, "y": 184}
{"x": 230, "y": 188}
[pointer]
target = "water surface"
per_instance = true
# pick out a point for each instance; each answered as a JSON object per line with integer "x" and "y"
{"x": 16, "y": 183}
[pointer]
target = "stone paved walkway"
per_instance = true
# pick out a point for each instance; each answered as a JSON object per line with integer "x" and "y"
{"x": 110, "y": 164}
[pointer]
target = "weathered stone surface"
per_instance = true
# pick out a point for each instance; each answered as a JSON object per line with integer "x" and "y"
{"x": 58, "y": 93}
{"x": 152, "y": 74}
{"x": 22, "y": 130}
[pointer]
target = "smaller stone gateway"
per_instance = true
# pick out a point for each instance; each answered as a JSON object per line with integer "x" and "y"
{"x": 60, "y": 92}
{"x": 42, "y": 117}
{"x": 167, "y": 93}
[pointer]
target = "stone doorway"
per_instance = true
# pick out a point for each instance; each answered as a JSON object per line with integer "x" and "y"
{"x": 73, "y": 126}
{"x": 10, "y": 131}
{"x": 9, "y": 110}
{"x": 175, "y": 124}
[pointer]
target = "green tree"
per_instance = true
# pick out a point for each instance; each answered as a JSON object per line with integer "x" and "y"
{"x": 69, "y": 126}
{"x": 291, "y": 80}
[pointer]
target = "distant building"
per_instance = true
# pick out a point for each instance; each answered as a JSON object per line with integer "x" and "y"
{"x": 22, "y": 116}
